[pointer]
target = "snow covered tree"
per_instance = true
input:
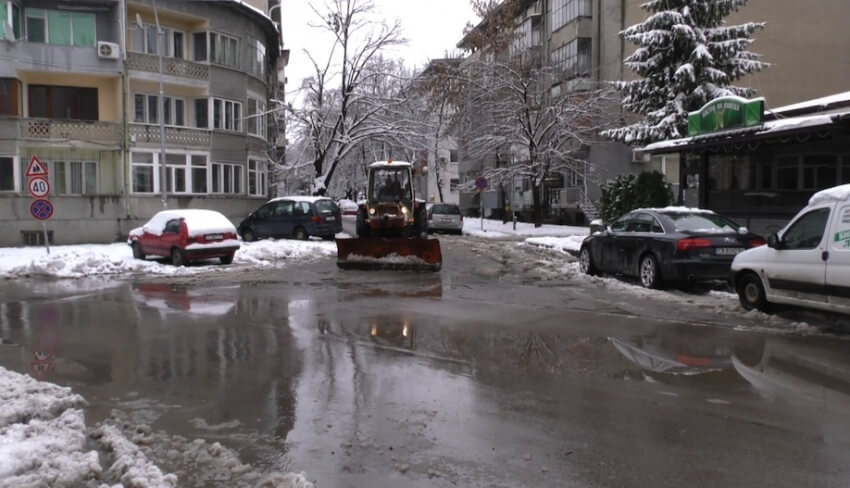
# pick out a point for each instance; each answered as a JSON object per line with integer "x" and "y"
{"x": 686, "y": 56}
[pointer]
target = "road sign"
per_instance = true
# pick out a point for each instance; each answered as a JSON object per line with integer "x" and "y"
{"x": 39, "y": 187}
{"x": 41, "y": 209}
{"x": 36, "y": 168}
{"x": 481, "y": 183}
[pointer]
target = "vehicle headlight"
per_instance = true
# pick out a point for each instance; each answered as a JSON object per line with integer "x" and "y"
{"x": 371, "y": 210}
{"x": 404, "y": 210}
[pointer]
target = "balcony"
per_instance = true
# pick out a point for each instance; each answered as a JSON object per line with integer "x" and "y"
{"x": 50, "y": 130}
{"x": 141, "y": 134}
{"x": 174, "y": 67}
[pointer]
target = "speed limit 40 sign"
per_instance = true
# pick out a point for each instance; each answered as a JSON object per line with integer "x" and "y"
{"x": 39, "y": 187}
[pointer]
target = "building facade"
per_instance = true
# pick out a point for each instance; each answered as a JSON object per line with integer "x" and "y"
{"x": 81, "y": 90}
{"x": 581, "y": 39}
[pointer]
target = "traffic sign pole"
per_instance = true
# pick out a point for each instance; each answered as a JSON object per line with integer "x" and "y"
{"x": 39, "y": 187}
{"x": 46, "y": 242}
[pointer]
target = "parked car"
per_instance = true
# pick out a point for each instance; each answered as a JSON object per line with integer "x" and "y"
{"x": 348, "y": 207}
{"x": 807, "y": 263}
{"x": 444, "y": 217}
{"x": 185, "y": 236}
{"x": 673, "y": 244}
{"x": 296, "y": 216}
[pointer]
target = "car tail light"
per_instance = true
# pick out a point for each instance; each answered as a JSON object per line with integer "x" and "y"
{"x": 430, "y": 215}
{"x": 191, "y": 240}
{"x": 688, "y": 244}
{"x": 316, "y": 219}
{"x": 757, "y": 242}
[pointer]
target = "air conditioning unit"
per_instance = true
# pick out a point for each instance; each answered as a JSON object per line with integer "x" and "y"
{"x": 107, "y": 50}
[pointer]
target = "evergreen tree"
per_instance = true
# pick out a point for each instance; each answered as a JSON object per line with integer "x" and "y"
{"x": 686, "y": 56}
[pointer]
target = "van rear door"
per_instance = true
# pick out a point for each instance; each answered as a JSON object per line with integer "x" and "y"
{"x": 838, "y": 260}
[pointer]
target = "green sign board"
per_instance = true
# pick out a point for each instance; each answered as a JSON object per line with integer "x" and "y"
{"x": 726, "y": 113}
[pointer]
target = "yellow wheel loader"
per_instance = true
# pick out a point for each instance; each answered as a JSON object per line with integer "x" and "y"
{"x": 392, "y": 225}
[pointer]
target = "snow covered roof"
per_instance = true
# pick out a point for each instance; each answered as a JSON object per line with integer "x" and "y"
{"x": 818, "y": 104}
{"x": 299, "y": 198}
{"x": 198, "y": 222}
{"x": 674, "y": 209}
{"x": 381, "y": 164}
{"x": 772, "y": 127}
{"x": 835, "y": 194}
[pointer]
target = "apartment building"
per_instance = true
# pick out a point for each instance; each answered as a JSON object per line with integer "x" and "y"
{"x": 581, "y": 39}
{"x": 80, "y": 90}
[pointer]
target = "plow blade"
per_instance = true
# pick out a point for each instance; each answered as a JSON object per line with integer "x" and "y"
{"x": 371, "y": 253}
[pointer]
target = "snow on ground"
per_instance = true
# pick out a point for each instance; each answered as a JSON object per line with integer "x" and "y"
{"x": 563, "y": 244}
{"x": 44, "y": 442}
{"x": 77, "y": 261}
{"x": 495, "y": 229}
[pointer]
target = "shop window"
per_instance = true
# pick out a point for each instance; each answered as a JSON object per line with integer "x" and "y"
{"x": 787, "y": 173}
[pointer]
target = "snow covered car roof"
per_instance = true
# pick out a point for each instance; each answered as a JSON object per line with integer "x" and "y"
{"x": 299, "y": 198}
{"x": 198, "y": 222}
{"x": 390, "y": 164}
{"x": 835, "y": 194}
{"x": 675, "y": 209}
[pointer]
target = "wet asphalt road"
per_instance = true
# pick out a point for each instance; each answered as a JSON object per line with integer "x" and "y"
{"x": 490, "y": 373}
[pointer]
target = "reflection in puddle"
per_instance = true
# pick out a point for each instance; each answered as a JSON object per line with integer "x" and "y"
{"x": 173, "y": 298}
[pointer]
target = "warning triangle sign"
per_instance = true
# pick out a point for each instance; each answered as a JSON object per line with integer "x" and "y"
{"x": 36, "y": 168}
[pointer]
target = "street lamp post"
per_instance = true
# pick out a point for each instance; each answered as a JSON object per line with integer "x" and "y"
{"x": 160, "y": 45}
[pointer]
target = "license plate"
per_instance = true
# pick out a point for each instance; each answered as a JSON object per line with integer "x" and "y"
{"x": 728, "y": 251}
{"x": 213, "y": 237}
{"x": 330, "y": 219}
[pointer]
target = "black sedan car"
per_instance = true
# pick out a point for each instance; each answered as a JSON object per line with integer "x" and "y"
{"x": 673, "y": 244}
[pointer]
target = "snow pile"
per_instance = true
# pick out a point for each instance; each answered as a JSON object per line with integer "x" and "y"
{"x": 213, "y": 245}
{"x": 131, "y": 466}
{"x": 563, "y": 244}
{"x": 388, "y": 259}
{"x": 270, "y": 252}
{"x": 42, "y": 435}
{"x": 496, "y": 229}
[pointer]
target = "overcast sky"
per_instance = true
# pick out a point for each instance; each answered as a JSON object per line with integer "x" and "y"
{"x": 432, "y": 27}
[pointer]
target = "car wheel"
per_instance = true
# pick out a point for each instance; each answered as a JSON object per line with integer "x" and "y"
{"x": 177, "y": 257}
{"x": 649, "y": 275}
{"x": 585, "y": 261}
{"x": 226, "y": 259}
{"x": 137, "y": 251}
{"x": 301, "y": 234}
{"x": 248, "y": 235}
{"x": 751, "y": 293}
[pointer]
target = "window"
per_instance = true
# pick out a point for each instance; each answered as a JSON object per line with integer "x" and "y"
{"x": 566, "y": 11}
{"x": 227, "y": 115}
{"x": 10, "y": 14}
{"x": 573, "y": 58}
{"x": 202, "y": 113}
{"x": 199, "y": 39}
{"x": 621, "y": 224}
{"x": 226, "y": 178}
{"x": 283, "y": 208}
{"x": 453, "y": 156}
{"x": 257, "y": 185}
{"x": 575, "y": 178}
{"x": 807, "y": 231}
{"x": 175, "y": 173}
{"x": 256, "y": 117}
{"x": 787, "y": 173}
{"x": 257, "y": 60}
{"x": 199, "y": 173}
{"x": 74, "y": 177}
{"x": 64, "y": 28}
{"x": 63, "y": 102}
{"x": 222, "y": 50}
{"x": 142, "y": 172}
{"x": 7, "y": 173}
{"x": 147, "y": 107}
{"x": 144, "y": 40}
{"x": 10, "y": 89}
{"x": 453, "y": 184}
{"x": 644, "y": 223}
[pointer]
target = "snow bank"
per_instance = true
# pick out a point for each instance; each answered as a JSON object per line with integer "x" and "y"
{"x": 563, "y": 244}
{"x": 496, "y": 229}
{"x": 131, "y": 466}
{"x": 388, "y": 259}
{"x": 78, "y": 261}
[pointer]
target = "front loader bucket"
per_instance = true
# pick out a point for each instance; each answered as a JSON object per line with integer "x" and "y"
{"x": 372, "y": 253}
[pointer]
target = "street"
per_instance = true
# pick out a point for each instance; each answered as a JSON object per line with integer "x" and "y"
{"x": 507, "y": 368}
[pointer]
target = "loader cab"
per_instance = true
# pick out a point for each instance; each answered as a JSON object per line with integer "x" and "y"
{"x": 390, "y": 183}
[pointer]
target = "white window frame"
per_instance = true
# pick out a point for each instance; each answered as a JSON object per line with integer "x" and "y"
{"x": 68, "y": 164}
{"x": 16, "y": 174}
{"x": 172, "y": 106}
{"x": 9, "y": 6}
{"x": 170, "y": 169}
{"x": 260, "y": 116}
{"x": 235, "y": 118}
{"x": 225, "y": 61}
{"x": 221, "y": 169}
{"x": 168, "y": 40}
{"x": 258, "y": 169}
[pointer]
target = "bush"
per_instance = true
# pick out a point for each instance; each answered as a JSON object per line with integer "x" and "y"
{"x": 628, "y": 192}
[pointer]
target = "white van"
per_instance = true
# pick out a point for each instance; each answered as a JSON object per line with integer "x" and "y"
{"x": 806, "y": 264}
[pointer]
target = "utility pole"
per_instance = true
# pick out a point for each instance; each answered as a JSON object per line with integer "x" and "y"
{"x": 161, "y": 44}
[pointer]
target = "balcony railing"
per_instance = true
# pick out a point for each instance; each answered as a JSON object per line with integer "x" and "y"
{"x": 174, "y": 136}
{"x": 176, "y": 67}
{"x": 71, "y": 130}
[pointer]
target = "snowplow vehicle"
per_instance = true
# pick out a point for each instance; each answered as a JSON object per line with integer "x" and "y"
{"x": 392, "y": 225}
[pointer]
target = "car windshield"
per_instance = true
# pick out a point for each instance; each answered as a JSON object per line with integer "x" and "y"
{"x": 701, "y": 222}
{"x": 445, "y": 209}
{"x": 326, "y": 206}
{"x": 391, "y": 184}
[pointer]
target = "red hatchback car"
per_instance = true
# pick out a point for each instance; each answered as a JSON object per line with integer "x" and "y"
{"x": 186, "y": 236}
